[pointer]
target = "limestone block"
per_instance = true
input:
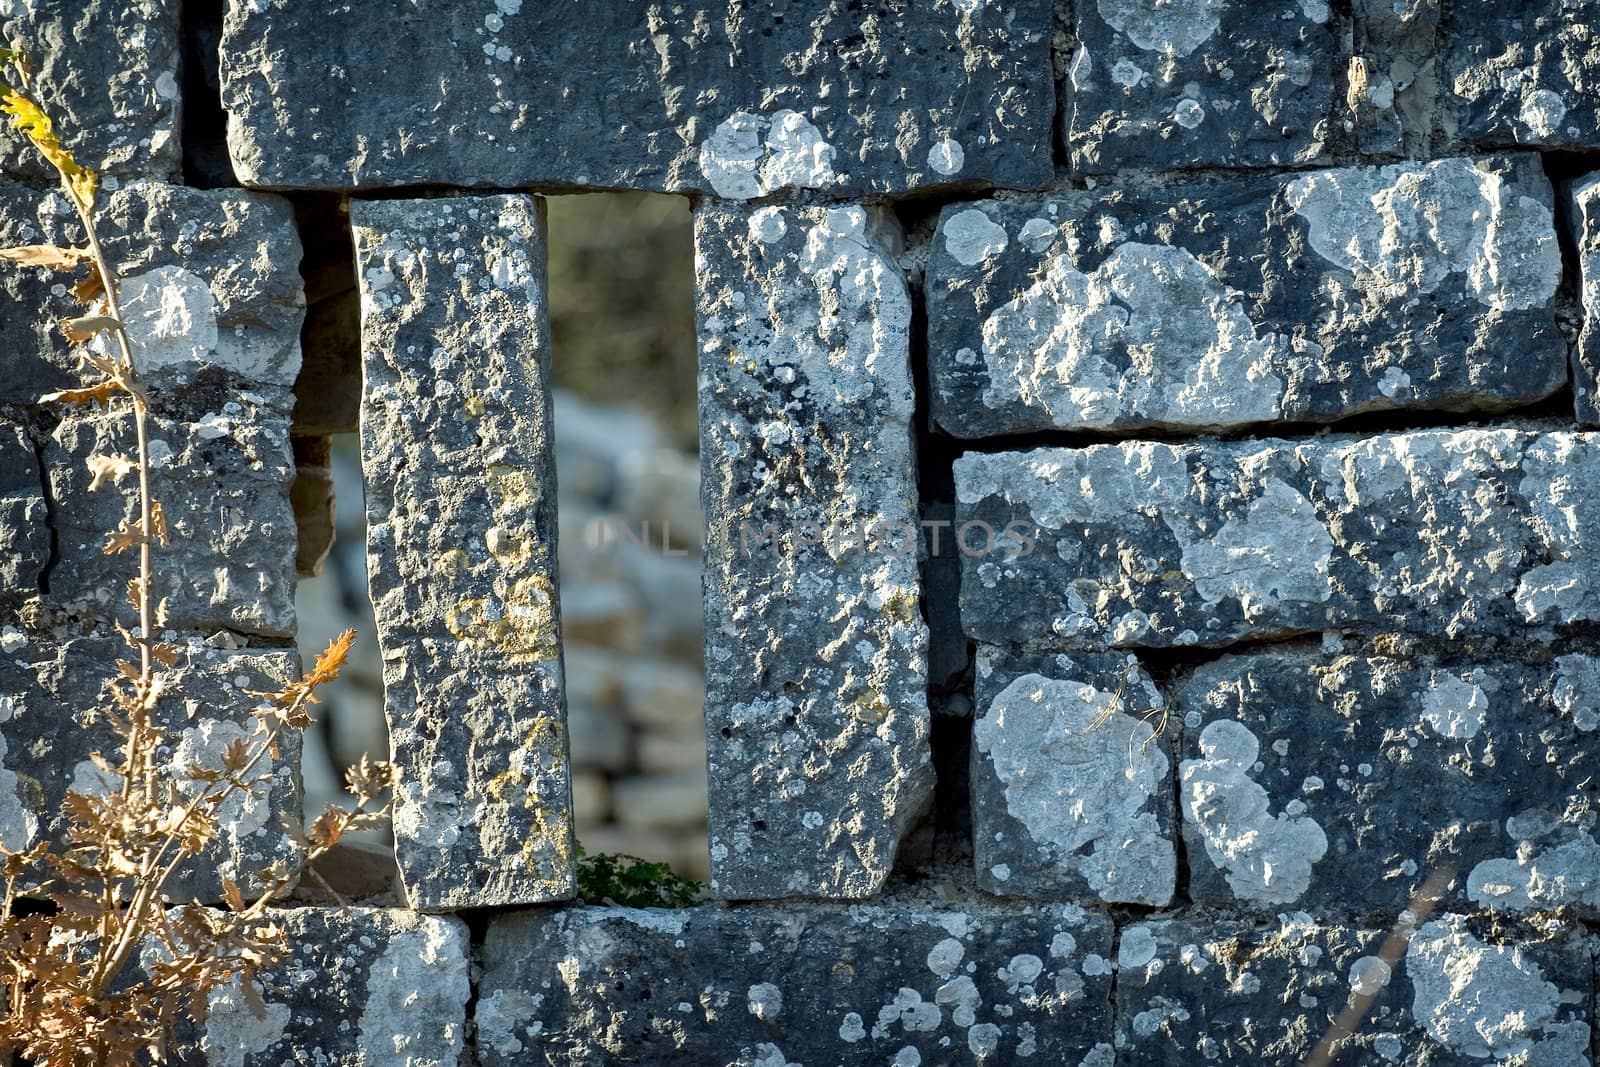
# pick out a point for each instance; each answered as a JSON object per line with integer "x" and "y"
{"x": 816, "y": 653}
{"x": 1528, "y": 74}
{"x": 1442, "y": 532}
{"x": 108, "y": 73}
{"x": 1220, "y": 303}
{"x": 1199, "y": 85}
{"x": 462, "y": 545}
{"x": 1392, "y": 76}
{"x": 1071, "y": 779}
{"x": 1340, "y": 781}
{"x": 799, "y": 984}
{"x": 1585, "y": 201}
{"x": 1193, "y": 992}
{"x": 52, "y": 719}
{"x": 690, "y": 97}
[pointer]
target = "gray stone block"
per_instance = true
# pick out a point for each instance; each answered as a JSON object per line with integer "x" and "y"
{"x": 1214, "y": 304}
{"x": 107, "y": 72}
{"x": 461, "y": 540}
{"x": 211, "y": 293}
{"x": 779, "y": 986}
{"x": 52, "y": 718}
{"x": 1199, "y": 85}
{"x": 1341, "y": 780}
{"x": 816, "y": 652}
{"x": 1585, "y": 213}
{"x": 1071, "y": 779}
{"x": 1524, "y": 74}
{"x": 1442, "y": 532}
{"x": 1392, "y": 75}
{"x": 1193, "y": 992}
{"x": 694, "y": 97}
{"x": 25, "y": 539}
{"x": 361, "y": 986}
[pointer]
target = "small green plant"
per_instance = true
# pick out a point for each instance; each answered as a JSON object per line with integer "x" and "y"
{"x": 608, "y": 878}
{"x": 96, "y": 970}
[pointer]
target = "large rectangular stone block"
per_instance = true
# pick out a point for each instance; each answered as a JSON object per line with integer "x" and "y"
{"x": 107, "y": 71}
{"x": 1341, "y": 780}
{"x": 816, "y": 651}
{"x": 1072, "y": 779}
{"x": 1200, "y": 85}
{"x": 1193, "y": 992}
{"x": 695, "y": 96}
{"x": 1442, "y": 532}
{"x": 797, "y": 985}
{"x": 461, "y": 511}
{"x": 1585, "y": 209}
{"x": 53, "y": 704}
{"x": 1213, "y": 304}
{"x": 1524, "y": 74}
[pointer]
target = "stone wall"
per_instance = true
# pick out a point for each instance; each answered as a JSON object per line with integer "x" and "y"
{"x": 1150, "y": 600}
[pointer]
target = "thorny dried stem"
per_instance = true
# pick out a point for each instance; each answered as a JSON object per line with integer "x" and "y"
{"x": 70, "y": 996}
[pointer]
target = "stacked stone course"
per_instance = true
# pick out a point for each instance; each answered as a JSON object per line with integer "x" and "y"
{"x": 1256, "y": 342}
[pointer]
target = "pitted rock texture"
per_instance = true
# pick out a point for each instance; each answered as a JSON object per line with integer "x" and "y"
{"x": 108, "y": 71}
{"x": 1198, "y": 992}
{"x": 25, "y": 537}
{"x": 1585, "y": 208}
{"x": 1199, "y": 83}
{"x": 1340, "y": 780}
{"x": 1215, "y": 304}
{"x": 53, "y": 702}
{"x": 1391, "y": 78}
{"x": 211, "y": 293}
{"x": 816, "y": 651}
{"x": 697, "y": 96}
{"x": 460, "y": 476}
{"x": 361, "y": 986}
{"x": 1071, "y": 779}
{"x": 222, "y": 478}
{"x": 1527, "y": 74}
{"x": 771, "y": 987}
{"x": 1442, "y": 533}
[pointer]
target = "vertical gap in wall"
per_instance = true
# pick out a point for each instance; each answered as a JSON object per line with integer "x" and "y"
{"x": 1063, "y": 44}
{"x": 621, "y": 290}
{"x": 1564, "y": 170}
{"x": 36, "y": 438}
{"x": 204, "y": 129}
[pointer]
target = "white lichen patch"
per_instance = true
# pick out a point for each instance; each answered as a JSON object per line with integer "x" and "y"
{"x": 946, "y": 157}
{"x": 1175, "y": 28}
{"x": 1081, "y": 776}
{"x": 1403, "y": 230}
{"x": 202, "y": 747}
{"x": 1576, "y": 692}
{"x": 1559, "y": 867}
{"x": 750, "y": 155}
{"x": 1277, "y": 551}
{"x": 171, "y": 317}
{"x": 1455, "y": 707}
{"x": 234, "y": 1033}
{"x": 1266, "y": 858}
{"x": 18, "y": 824}
{"x": 414, "y": 993}
{"x": 1150, "y": 334}
{"x": 971, "y": 237}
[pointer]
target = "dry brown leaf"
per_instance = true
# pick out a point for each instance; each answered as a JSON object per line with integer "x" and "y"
{"x": 98, "y": 393}
{"x": 109, "y": 469}
{"x": 87, "y": 326}
{"x": 51, "y": 257}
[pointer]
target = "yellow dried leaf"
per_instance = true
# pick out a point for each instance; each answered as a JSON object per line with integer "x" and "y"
{"x": 109, "y": 469}
{"x": 36, "y": 126}
{"x": 98, "y": 393}
{"x": 87, "y": 326}
{"x": 124, "y": 537}
{"x": 51, "y": 257}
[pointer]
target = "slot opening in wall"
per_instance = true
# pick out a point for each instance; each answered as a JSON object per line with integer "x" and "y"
{"x": 621, "y": 269}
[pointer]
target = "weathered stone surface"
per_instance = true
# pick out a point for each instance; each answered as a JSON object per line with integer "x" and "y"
{"x": 1219, "y": 303}
{"x": 816, "y": 653}
{"x": 1199, "y": 84}
{"x": 107, "y": 72}
{"x": 1191, "y": 992}
{"x": 52, "y": 707}
{"x": 361, "y": 986}
{"x": 223, "y": 481}
{"x": 1437, "y": 532}
{"x": 24, "y": 518}
{"x": 771, "y": 986}
{"x": 1528, "y": 74}
{"x": 461, "y": 514}
{"x": 1071, "y": 781}
{"x": 1392, "y": 76}
{"x": 1585, "y": 201}
{"x": 698, "y": 96}
{"x": 211, "y": 293}
{"x": 1340, "y": 780}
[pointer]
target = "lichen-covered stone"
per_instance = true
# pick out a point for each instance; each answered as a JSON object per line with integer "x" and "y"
{"x": 778, "y": 986}
{"x": 1199, "y": 84}
{"x": 1528, "y": 74}
{"x": 1442, "y": 532}
{"x": 211, "y": 293}
{"x": 1585, "y": 202}
{"x": 1392, "y": 76}
{"x": 361, "y": 986}
{"x": 53, "y": 703}
{"x": 1213, "y": 304}
{"x": 1341, "y": 780}
{"x": 1071, "y": 779}
{"x": 107, "y": 71}
{"x": 694, "y": 97}
{"x": 1193, "y": 992}
{"x": 461, "y": 511}
{"x": 24, "y": 519}
{"x": 816, "y": 652}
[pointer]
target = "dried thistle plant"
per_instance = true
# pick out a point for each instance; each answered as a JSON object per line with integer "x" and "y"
{"x": 74, "y": 917}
